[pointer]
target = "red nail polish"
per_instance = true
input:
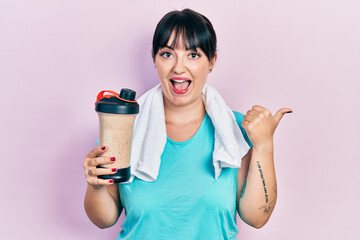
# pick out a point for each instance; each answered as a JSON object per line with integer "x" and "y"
{"x": 112, "y": 159}
{"x": 114, "y": 170}
{"x": 111, "y": 181}
{"x": 103, "y": 148}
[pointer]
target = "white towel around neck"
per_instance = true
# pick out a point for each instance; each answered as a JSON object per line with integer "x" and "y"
{"x": 149, "y": 135}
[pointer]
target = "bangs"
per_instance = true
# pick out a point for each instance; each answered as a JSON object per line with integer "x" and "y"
{"x": 194, "y": 29}
{"x": 188, "y": 36}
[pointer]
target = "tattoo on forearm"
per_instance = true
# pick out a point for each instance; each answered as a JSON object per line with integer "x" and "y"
{"x": 263, "y": 182}
{"x": 268, "y": 208}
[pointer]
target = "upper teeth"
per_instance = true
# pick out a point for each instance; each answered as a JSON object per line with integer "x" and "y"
{"x": 179, "y": 81}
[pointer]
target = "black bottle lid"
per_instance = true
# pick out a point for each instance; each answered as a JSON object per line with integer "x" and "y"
{"x": 127, "y": 94}
{"x": 123, "y": 103}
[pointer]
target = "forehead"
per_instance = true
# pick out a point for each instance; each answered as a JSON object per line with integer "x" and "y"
{"x": 179, "y": 39}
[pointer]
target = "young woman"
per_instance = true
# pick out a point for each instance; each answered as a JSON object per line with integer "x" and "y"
{"x": 186, "y": 201}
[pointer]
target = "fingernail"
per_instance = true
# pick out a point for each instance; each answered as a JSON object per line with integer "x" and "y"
{"x": 114, "y": 170}
{"x": 111, "y": 181}
{"x": 103, "y": 148}
{"x": 112, "y": 159}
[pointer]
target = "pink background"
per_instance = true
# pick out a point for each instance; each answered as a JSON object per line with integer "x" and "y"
{"x": 55, "y": 56}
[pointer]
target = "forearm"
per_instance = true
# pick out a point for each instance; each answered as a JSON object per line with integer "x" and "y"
{"x": 101, "y": 207}
{"x": 259, "y": 198}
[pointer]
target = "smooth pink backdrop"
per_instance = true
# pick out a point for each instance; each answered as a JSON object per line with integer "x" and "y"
{"x": 55, "y": 56}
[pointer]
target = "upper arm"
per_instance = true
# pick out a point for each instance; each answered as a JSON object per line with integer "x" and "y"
{"x": 114, "y": 193}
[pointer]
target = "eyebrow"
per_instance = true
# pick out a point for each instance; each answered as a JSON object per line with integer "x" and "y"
{"x": 195, "y": 49}
{"x": 169, "y": 47}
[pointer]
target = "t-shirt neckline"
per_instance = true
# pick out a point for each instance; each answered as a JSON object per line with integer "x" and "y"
{"x": 193, "y": 137}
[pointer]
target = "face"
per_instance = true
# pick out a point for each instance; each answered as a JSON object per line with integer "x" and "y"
{"x": 182, "y": 72}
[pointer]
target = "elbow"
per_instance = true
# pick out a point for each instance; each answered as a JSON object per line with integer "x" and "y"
{"x": 258, "y": 224}
{"x": 254, "y": 216}
{"x": 254, "y": 220}
{"x": 102, "y": 222}
{"x": 102, "y": 225}
{"x": 100, "y": 219}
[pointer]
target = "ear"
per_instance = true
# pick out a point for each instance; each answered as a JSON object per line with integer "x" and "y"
{"x": 212, "y": 61}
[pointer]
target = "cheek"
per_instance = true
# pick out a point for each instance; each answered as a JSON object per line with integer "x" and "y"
{"x": 200, "y": 71}
{"x": 162, "y": 68}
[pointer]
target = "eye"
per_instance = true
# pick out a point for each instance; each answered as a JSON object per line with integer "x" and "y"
{"x": 194, "y": 55}
{"x": 166, "y": 54}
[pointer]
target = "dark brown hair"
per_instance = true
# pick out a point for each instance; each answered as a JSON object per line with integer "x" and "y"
{"x": 197, "y": 32}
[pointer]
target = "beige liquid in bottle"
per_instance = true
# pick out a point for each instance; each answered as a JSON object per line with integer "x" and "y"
{"x": 116, "y": 134}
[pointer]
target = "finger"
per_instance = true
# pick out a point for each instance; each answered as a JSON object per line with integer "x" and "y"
{"x": 252, "y": 112}
{"x": 279, "y": 114}
{"x": 96, "y": 152}
{"x": 98, "y": 181}
{"x": 262, "y": 110}
{"x": 259, "y": 108}
{"x": 249, "y": 118}
{"x": 101, "y": 161}
{"x": 93, "y": 172}
{"x": 245, "y": 124}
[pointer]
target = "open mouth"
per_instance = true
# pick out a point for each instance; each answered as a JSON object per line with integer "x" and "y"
{"x": 180, "y": 86}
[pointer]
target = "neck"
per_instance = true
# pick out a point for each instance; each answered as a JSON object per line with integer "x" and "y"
{"x": 184, "y": 114}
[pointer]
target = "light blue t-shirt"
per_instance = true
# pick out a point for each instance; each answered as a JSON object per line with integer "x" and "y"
{"x": 185, "y": 201}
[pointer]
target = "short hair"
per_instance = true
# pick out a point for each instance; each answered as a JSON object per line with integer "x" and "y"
{"x": 197, "y": 32}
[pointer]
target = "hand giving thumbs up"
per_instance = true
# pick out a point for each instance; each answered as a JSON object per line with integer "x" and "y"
{"x": 260, "y": 125}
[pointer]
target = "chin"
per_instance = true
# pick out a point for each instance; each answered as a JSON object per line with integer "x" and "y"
{"x": 181, "y": 101}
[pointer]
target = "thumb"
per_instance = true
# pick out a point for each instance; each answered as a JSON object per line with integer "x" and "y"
{"x": 279, "y": 114}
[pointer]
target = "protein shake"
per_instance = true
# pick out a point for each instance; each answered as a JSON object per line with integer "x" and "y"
{"x": 116, "y": 118}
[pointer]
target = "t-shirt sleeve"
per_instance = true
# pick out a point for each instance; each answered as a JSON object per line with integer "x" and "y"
{"x": 239, "y": 118}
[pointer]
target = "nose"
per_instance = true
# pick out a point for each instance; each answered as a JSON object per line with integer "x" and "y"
{"x": 179, "y": 66}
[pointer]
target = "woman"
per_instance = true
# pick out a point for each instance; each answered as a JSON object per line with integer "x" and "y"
{"x": 186, "y": 201}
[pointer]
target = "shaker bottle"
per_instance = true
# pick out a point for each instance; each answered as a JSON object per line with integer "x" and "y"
{"x": 117, "y": 113}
